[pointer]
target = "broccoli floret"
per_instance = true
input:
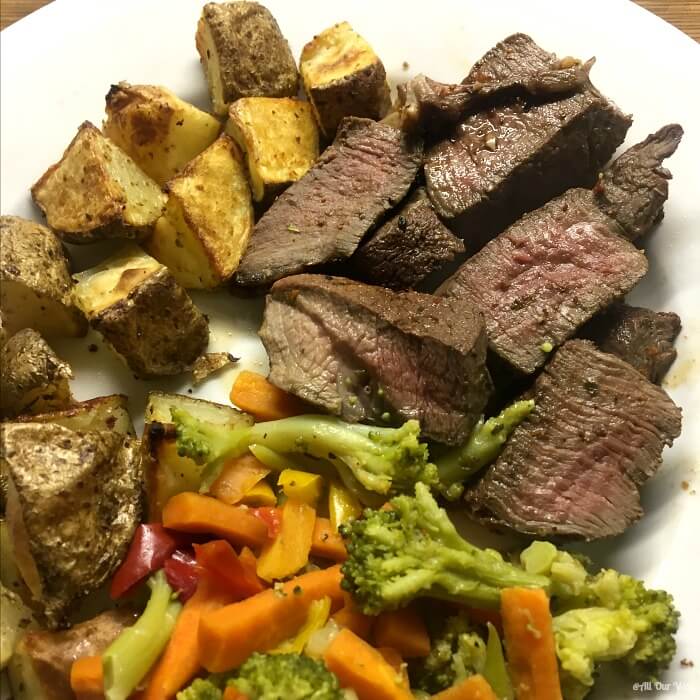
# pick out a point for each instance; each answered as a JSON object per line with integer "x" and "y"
{"x": 456, "y": 652}
{"x": 413, "y": 549}
{"x": 568, "y": 573}
{"x": 383, "y": 460}
{"x": 481, "y": 448}
{"x": 201, "y": 690}
{"x": 286, "y": 676}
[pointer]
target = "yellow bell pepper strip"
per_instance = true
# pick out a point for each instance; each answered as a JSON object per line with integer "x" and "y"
{"x": 343, "y": 505}
{"x": 289, "y": 551}
{"x": 301, "y": 486}
{"x": 319, "y": 611}
{"x": 260, "y": 495}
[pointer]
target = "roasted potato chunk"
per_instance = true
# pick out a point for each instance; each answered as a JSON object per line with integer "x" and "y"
{"x": 73, "y": 504}
{"x": 33, "y": 379}
{"x": 108, "y": 413}
{"x": 143, "y": 313}
{"x": 15, "y": 617}
{"x": 244, "y": 54}
{"x": 40, "y": 669}
{"x": 97, "y": 191}
{"x": 279, "y": 137}
{"x": 208, "y": 218}
{"x": 36, "y": 290}
{"x": 343, "y": 77}
{"x": 168, "y": 474}
{"x": 161, "y": 132}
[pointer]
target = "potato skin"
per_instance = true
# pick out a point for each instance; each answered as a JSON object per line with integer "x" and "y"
{"x": 244, "y": 53}
{"x": 343, "y": 77}
{"x": 33, "y": 264}
{"x": 161, "y": 132}
{"x": 32, "y": 378}
{"x": 97, "y": 191}
{"x": 156, "y": 327}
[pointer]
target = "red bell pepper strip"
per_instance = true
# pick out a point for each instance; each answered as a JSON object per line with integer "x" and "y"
{"x": 220, "y": 561}
{"x": 272, "y": 517}
{"x": 183, "y": 573}
{"x": 151, "y": 546}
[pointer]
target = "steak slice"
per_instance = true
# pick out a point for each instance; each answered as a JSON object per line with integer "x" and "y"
{"x": 634, "y": 188}
{"x": 369, "y": 354}
{"x": 323, "y": 217}
{"x": 545, "y": 276}
{"x": 408, "y": 247}
{"x": 504, "y": 161}
{"x": 642, "y": 337}
{"x": 574, "y": 467}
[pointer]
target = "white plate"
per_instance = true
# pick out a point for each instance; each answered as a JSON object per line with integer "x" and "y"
{"x": 58, "y": 64}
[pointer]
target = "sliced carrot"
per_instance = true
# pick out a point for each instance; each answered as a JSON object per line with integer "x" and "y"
{"x": 250, "y": 564}
{"x": 395, "y": 660}
{"x": 529, "y": 642}
{"x": 361, "y": 667}
{"x": 473, "y": 688}
{"x": 87, "y": 678}
{"x": 238, "y": 476}
{"x": 254, "y": 394}
{"x": 193, "y": 512}
{"x": 289, "y": 551}
{"x": 326, "y": 542}
{"x": 180, "y": 660}
{"x": 351, "y": 617}
{"x": 232, "y": 694}
{"x": 403, "y": 630}
{"x": 227, "y": 637}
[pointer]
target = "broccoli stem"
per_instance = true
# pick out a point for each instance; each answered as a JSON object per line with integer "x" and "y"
{"x": 130, "y": 656}
{"x": 482, "y": 446}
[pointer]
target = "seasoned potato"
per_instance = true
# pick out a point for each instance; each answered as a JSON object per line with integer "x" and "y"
{"x": 103, "y": 413}
{"x": 244, "y": 54}
{"x": 36, "y": 290}
{"x": 208, "y": 218}
{"x": 161, "y": 132}
{"x": 97, "y": 191}
{"x": 343, "y": 77}
{"x": 32, "y": 378}
{"x": 143, "y": 313}
{"x": 15, "y": 617}
{"x": 40, "y": 668}
{"x": 168, "y": 474}
{"x": 73, "y": 504}
{"x": 279, "y": 137}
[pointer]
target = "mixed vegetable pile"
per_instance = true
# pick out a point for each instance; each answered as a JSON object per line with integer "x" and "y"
{"x": 314, "y": 563}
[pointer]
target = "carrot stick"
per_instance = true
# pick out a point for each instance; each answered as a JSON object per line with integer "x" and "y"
{"x": 193, "y": 512}
{"x": 180, "y": 660}
{"x": 289, "y": 551}
{"x": 237, "y": 477}
{"x": 87, "y": 678}
{"x": 395, "y": 660}
{"x": 473, "y": 688}
{"x": 403, "y": 630}
{"x": 529, "y": 641}
{"x": 232, "y": 694}
{"x": 254, "y": 394}
{"x": 361, "y": 667}
{"x": 351, "y": 617}
{"x": 227, "y": 637}
{"x": 326, "y": 542}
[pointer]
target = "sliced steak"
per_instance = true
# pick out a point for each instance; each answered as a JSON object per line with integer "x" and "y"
{"x": 574, "y": 467}
{"x": 323, "y": 217}
{"x": 642, "y": 337}
{"x": 369, "y": 354}
{"x": 504, "y": 161}
{"x": 407, "y": 248}
{"x": 546, "y": 275}
{"x": 634, "y": 188}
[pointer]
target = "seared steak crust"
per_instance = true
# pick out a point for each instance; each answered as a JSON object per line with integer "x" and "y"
{"x": 407, "y": 248}
{"x": 574, "y": 466}
{"x": 372, "y": 355}
{"x": 642, "y": 337}
{"x": 547, "y": 274}
{"x": 323, "y": 217}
